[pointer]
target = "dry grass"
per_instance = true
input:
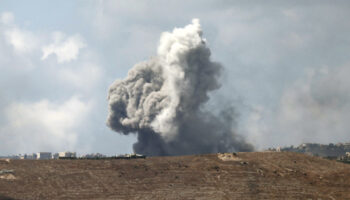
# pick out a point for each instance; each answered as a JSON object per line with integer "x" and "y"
{"x": 254, "y": 175}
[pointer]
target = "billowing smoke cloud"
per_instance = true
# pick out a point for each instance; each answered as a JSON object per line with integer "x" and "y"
{"x": 163, "y": 100}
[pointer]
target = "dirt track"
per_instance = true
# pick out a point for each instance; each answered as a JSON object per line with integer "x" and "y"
{"x": 264, "y": 175}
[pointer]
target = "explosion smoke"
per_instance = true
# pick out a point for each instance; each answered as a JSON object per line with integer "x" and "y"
{"x": 162, "y": 100}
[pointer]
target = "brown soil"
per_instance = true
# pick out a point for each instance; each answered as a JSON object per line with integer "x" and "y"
{"x": 258, "y": 175}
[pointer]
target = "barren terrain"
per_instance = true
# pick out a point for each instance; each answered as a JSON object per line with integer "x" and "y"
{"x": 258, "y": 175}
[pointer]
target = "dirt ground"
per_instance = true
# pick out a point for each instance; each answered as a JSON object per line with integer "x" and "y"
{"x": 257, "y": 175}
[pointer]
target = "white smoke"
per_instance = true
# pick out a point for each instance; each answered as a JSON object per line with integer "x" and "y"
{"x": 172, "y": 53}
{"x": 163, "y": 99}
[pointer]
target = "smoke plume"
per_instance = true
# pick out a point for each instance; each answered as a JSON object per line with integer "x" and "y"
{"x": 163, "y": 99}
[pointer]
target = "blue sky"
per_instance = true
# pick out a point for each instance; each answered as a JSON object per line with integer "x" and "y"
{"x": 286, "y": 67}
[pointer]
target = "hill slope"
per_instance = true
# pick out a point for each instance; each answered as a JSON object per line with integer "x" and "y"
{"x": 258, "y": 175}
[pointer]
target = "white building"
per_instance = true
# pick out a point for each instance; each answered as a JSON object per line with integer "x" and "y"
{"x": 43, "y": 155}
{"x": 67, "y": 154}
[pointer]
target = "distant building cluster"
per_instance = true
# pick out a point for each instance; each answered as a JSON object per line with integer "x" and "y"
{"x": 42, "y": 156}
{"x": 93, "y": 156}
{"x": 339, "y": 151}
{"x": 70, "y": 155}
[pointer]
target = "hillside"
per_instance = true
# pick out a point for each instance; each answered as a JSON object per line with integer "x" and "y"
{"x": 258, "y": 175}
{"x": 323, "y": 150}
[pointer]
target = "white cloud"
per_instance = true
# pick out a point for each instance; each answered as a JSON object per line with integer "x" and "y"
{"x": 43, "y": 125}
{"x": 22, "y": 41}
{"x": 7, "y": 18}
{"x": 65, "y": 48}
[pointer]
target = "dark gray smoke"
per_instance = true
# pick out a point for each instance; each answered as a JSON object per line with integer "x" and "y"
{"x": 162, "y": 100}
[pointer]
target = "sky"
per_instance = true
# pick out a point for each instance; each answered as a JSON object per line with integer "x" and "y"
{"x": 286, "y": 68}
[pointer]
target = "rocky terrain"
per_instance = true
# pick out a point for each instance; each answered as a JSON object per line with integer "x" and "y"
{"x": 257, "y": 175}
